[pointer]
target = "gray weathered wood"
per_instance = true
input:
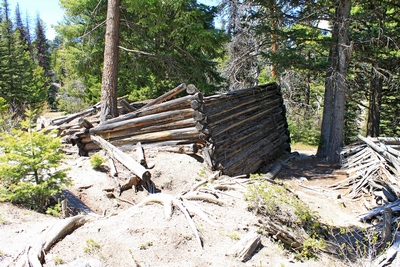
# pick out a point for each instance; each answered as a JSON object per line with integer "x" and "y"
{"x": 245, "y": 247}
{"x": 125, "y": 159}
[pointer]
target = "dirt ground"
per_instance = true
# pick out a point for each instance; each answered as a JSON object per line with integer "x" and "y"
{"x": 121, "y": 234}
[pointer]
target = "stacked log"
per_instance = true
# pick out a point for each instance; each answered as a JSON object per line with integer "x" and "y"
{"x": 373, "y": 166}
{"x": 238, "y": 131}
{"x": 160, "y": 121}
{"x": 243, "y": 129}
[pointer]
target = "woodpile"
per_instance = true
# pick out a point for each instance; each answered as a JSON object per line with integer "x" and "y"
{"x": 373, "y": 166}
{"x": 236, "y": 131}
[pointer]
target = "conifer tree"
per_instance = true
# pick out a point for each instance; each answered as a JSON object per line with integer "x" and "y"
{"x": 41, "y": 46}
{"x": 19, "y": 84}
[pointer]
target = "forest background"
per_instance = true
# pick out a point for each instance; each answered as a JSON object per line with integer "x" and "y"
{"x": 299, "y": 44}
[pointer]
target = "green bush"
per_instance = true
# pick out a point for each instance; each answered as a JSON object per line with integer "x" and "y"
{"x": 280, "y": 205}
{"x": 96, "y": 160}
{"x": 29, "y": 166}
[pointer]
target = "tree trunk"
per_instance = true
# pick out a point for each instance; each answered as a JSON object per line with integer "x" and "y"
{"x": 274, "y": 36}
{"x": 375, "y": 100}
{"x": 335, "y": 85}
{"x": 110, "y": 70}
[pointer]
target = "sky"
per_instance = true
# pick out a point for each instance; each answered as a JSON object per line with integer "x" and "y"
{"x": 51, "y": 13}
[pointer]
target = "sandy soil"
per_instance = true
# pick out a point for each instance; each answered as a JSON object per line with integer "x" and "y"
{"x": 122, "y": 234}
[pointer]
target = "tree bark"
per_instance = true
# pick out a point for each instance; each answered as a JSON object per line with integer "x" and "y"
{"x": 335, "y": 85}
{"x": 110, "y": 70}
{"x": 374, "y": 111}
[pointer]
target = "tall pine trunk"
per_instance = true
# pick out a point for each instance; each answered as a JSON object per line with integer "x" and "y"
{"x": 375, "y": 102}
{"x": 110, "y": 71}
{"x": 335, "y": 85}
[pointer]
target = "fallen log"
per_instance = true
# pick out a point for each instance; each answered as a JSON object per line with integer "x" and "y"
{"x": 388, "y": 156}
{"x": 36, "y": 252}
{"x": 245, "y": 247}
{"x": 126, "y": 160}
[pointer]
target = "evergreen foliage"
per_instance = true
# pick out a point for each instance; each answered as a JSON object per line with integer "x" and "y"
{"x": 163, "y": 43}
{"x": 29, "y": 166}
{"x": 22, "y": 81}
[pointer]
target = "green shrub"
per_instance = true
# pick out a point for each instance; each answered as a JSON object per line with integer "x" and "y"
{"x": 277, "y": 203}
{"x": 91, "y": 246}
{"x": 96, "y": 160}
{"x": 29, "y": 166}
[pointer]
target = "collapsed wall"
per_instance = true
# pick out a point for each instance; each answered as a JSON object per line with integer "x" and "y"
{"x": 236, "y": 131}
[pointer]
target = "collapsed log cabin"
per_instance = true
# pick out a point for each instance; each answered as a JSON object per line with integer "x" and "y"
{"x": 237, "y": 131}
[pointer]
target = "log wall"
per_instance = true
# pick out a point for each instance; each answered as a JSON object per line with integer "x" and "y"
{"x": 237, "y": 131}
{"x": 243, "y": 128}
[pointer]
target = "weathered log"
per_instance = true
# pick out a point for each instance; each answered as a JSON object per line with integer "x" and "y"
{"x": 252, "y": 164}
{"x": 71, "y": 117}
{"x": 387, "y": 226}
{"x": 247, "y": 129}
{"x": 124, "y": 133}
{"x": 85, "y": 123}
{"x": 196, "y": 105}
{"x": 271, "y": 132}
{"x": 244, "y": 111}
{"x": 387, "y": 140}
{"x": 245, "y": 247}
{"x": 140, "y": 154}
{"x": 379, "y": 210}
{"x": 182, "y": 149}
{"x": 45, "y": 241}
{"x": 167, "y": 95}
{"x": 278, "y": 232}
{"x": 191, "y": 89}
{"x": 174, "y": 104}
{"x": 237, "y": 122}
{"x": 125, "y": 159}
{"x": 247, "y": 158}
{"x": 164, "y": 117}
{"x": 190, "y": 135}
{"x": 218, "y": 108}
{"x": 125, "y": 104}
{"x": 387, "y": 155}
{"x": 226, "y": 98}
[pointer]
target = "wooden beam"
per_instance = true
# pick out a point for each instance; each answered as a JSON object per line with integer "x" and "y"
{"x": 125, "y": 159}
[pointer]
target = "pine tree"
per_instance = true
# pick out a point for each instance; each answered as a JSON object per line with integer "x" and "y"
{"x": 19, "y": 85}
{"x": 28, "y": 164}
{"x": 41, "y": 46}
